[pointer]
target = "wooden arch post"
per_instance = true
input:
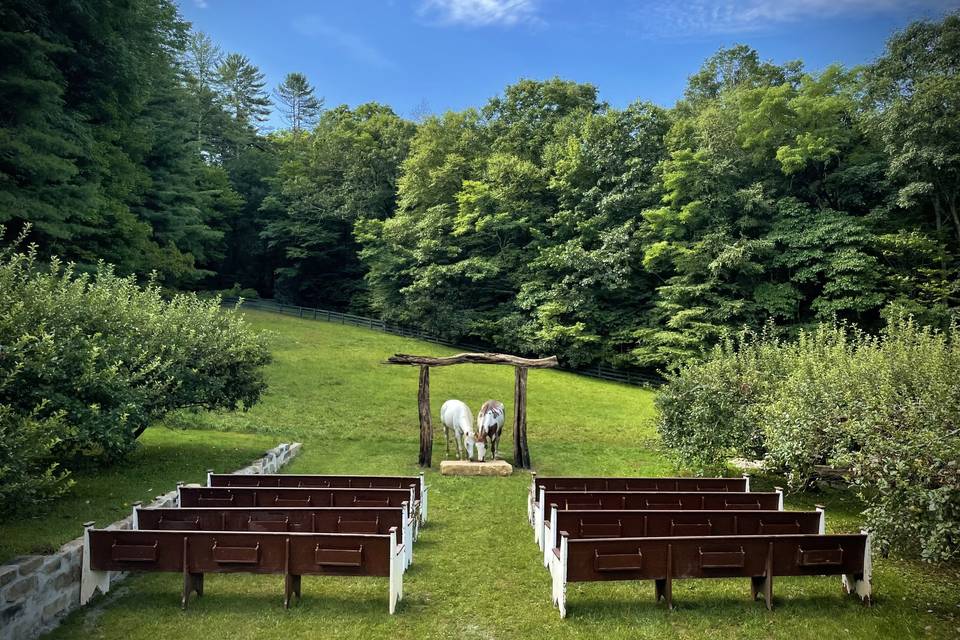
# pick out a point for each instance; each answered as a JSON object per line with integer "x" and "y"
{"x": 521, "y": 451}
{"x": 426, "y": 426}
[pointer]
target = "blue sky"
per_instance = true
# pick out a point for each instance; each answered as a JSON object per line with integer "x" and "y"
{"x": 451, "y": 54}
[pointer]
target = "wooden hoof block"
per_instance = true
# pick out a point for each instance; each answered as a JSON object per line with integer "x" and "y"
{"x": 467, "y": 468}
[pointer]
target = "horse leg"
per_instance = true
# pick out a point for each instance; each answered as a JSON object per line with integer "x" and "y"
{"x": 446, "y": 436}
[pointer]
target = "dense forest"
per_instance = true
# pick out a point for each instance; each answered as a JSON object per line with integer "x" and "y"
{"x": 543, "y": 221}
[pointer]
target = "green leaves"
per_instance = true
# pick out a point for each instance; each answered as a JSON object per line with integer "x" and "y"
{"x": 90, "y": 360}
{"x": 884, "y": 408}
{"x": 343, "y": 172}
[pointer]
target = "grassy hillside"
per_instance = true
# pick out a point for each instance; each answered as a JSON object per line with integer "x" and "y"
{"x": 476, "y": 572}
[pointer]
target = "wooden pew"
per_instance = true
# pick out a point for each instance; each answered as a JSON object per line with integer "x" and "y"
{"x": 272, "y": 497}
{"x": 596, "y": 483}
{"x": 668, "y": 524}
{"x": 378, "y": 520}
{"x": 655, "y": 501}
{"x": 759, "y": 558}
{"x": 328, "y": 481}
{"x": 195, "y": 553}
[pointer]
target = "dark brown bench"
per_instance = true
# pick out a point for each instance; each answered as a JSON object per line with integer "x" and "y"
{"x": 595, "y": 483}
{"x": 376, "y": 520}
{"x": 273, "y": 497}
{"x": 195, "y": 553}
{"x": 667, "y": 524}
{"x": 663, "y": 560}
{"x": 655, "y": 501}
{"x": 328, "y": 481}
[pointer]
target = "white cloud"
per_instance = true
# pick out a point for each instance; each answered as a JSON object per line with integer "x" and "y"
{"x": 699, "y": 17}
{"x": 350, "y": 43}
{"x": 201, "y": 4}
{"x": 481, "y": 13}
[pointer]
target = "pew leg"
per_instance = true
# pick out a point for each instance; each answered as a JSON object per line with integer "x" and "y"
{"x": 191, "y": 582}
{"x": 768, "y": 579}
{"x": 291, "y": 588}
{"x": 668, "y": 583}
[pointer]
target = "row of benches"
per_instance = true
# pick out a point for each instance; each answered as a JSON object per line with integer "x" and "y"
{"x": 601, "y": 529}
{"x": 268, "y": 524}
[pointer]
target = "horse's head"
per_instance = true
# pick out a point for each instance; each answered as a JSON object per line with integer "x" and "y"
{"x": 469, "y": 439}
{"x": 481, "y": 447}
{"x": 486, "y": 423}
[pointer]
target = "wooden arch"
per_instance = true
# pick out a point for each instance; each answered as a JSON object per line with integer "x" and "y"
{"x": 521, "y": 452}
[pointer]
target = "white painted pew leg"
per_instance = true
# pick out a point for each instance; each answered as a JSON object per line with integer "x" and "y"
{"x": 551, "y": 534}
{"x": 407, "y": 536}
{"x": 530, "y": 494}
{"x": 541, "y": 509}
{"x": 423, "y": 497}
{"x": 779, "y": 490}
{"x": 822, "y": 529}
{"x": 91, "y": 581}
{"x": 396, "y": 572}
{"x": 862, "y": 587}
{"x": 561, "y": 573}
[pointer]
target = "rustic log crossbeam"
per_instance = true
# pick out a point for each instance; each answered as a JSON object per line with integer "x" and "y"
{"x": 521, "y": 452}
{"x": 473, "y": 358}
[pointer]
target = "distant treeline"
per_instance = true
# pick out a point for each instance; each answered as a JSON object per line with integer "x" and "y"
{"x": 545, "y": 221}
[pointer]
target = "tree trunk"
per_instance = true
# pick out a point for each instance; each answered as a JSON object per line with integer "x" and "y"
{"x": 521, "y": 452}
{"x": 956, "y": 218}
{"x": 426, "y": 427}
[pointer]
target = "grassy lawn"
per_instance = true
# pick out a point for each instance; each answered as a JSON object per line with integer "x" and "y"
{"x": 164, "y": 457}
{"x": 476, "y": 571}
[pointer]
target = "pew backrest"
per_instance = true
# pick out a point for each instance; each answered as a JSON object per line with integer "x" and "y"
{"x": 292, "y": 520}
{"x": 712, "y": 556}
{"x": 316, "y": 480}
{"x": 662, "y": 500}
{"x": 199, "y": 552}
{"x": 640, "y": 484}
{"x": 637, "y": 524}
{"x": 279, "y": 497}
{"x": 654, "y": 524}
{"x": 758, "y": 557}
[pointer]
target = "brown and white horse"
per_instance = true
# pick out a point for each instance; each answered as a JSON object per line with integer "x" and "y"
{"x": 489, "y": 427}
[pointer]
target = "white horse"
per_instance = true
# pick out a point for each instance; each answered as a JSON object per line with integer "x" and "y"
{"x": 489, "y": 426}
{"x": 455, "y": 416}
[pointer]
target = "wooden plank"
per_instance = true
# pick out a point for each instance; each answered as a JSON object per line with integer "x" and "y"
{"x": 473, "y": 358}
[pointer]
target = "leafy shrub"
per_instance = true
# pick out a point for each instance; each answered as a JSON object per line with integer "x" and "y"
{"x": 886, "y": 408}
{"x": 28, "y": 476}
{"x": 106, "y": 357}
{"x": 708, "y": 411}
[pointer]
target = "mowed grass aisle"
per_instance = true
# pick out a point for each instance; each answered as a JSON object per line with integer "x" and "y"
{"x": 477, "y": 572}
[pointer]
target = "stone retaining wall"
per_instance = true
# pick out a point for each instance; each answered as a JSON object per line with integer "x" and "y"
{"x": 37, "y": 591}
